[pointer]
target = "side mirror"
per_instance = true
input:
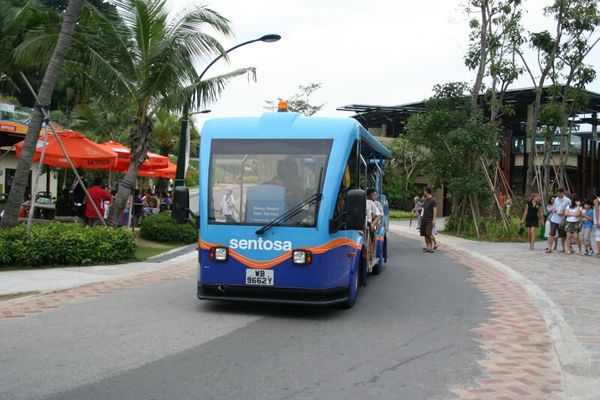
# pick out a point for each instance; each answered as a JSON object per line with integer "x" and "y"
{"x": 356, "y": 208}
{"x": 181, "y": 205}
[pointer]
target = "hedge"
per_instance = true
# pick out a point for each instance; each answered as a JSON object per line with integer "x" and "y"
{"x": 162, "y": 228}
{"x": 65, "y": 244}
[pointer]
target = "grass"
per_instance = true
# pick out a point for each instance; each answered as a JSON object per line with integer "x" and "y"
{"x": 146, "y": 249}
{"x": 400, "y": 214}
{"x": 142, "y": 253}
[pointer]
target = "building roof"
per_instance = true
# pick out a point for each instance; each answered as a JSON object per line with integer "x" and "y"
{"x": 395, "y": 116}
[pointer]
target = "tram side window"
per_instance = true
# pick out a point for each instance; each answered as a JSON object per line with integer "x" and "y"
{"x": 349, "y": 181}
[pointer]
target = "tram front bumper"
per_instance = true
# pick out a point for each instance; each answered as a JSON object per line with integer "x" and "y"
{"x": 319, "y": 297}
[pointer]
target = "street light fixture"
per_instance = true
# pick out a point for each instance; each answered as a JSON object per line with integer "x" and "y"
{"x": 180, "y": 174}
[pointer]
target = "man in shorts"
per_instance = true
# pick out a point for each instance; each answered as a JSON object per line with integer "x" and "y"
{"x": 561, "y": 203}
{"x": 428, "y": 220}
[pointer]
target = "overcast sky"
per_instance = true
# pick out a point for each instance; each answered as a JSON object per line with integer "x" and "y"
{"x": 384, "y": 52}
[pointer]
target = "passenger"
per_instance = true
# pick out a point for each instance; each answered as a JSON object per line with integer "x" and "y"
{"x": 374, "y": 215}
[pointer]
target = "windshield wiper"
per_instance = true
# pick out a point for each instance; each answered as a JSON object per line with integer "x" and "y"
{"x": 292, "y": 212}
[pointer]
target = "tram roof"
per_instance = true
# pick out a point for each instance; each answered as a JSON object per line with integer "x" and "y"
{"x": 274, "y": 123}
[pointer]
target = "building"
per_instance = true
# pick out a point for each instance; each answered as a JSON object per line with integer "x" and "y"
{"x": 583, "y": 164}
{"x": 12, "y": 132}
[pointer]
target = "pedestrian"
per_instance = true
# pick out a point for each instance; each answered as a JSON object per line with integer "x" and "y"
{"x": 573, "y": 218}
{"x": 151, "y": 203}
{"x": 508, "y": 205}
{"x": 597, "y": 221}
{"x": 531, "y": 218}
{"x": 502, "y": 200}
{"x": 418, "y": 209}
{"x": 428, "y": 220}
{"x": 561, "y": 203}
{"x": 78, "y": 195}
{"x": 228, "y": 208}
{"x": 586, "y": 227}
{"x": 165, "y": 201}
{"x": 549, "y": 211}
{"x": 99, "y": 196}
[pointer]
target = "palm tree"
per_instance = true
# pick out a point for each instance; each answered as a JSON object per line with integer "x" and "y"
{"x": 166, "y": 132}
{"x": 44, "y": 97}
{"x": 149, "y": 64}
{"x": 18, "y": 18}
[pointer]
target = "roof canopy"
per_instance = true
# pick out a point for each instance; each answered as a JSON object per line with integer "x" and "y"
{"x": 395, "y": 116}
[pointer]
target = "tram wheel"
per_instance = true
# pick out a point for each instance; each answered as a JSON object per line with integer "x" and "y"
{"x": 352, "y": 290}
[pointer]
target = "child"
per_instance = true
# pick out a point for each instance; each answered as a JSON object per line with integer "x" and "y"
{"x": 586, "y": 230}
{"x": 573, "y": 214}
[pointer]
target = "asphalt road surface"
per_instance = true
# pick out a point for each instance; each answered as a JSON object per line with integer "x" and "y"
{"x": 407, "y": 338}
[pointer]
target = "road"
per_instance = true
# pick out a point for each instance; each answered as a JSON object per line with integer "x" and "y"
{"x": 408, "y": 337}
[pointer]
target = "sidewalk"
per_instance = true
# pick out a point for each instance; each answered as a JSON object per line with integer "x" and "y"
{"x": 54, "y": 279}
{"x": 566, "y": 289}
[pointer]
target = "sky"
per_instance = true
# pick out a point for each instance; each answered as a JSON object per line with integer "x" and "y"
{"x": 377, "y": 52}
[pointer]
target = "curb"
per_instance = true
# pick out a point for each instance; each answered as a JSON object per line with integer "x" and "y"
{"x": 172, "y": 251}
{"x": 571, "y": 356}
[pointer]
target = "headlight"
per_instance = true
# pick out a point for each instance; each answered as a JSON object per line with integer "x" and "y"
{"x": 219, "y": 253}
{"x": 301, "y": 257}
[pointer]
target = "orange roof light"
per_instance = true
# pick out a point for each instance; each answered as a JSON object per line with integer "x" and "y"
{"x": 282, "y": 106}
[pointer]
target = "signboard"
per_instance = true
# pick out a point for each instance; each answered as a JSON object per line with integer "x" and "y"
{"x": 8, "y": 126}
{"x": 265, "y": 203}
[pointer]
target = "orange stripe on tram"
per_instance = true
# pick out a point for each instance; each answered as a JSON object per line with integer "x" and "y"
{"x": 256, "y": 264}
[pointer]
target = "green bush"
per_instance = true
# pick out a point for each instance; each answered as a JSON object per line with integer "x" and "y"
{"x": 492, "y": 230}
{"x": 162, "y": 228}
{"x": 64, "y": 244}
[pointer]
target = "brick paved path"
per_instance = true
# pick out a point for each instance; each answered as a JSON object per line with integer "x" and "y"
{"x": 22, "y": 307}
{"x": 572, "y": 282}
{"x": 520, "y": 363}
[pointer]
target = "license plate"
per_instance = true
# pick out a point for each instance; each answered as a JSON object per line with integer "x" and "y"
{"x": 260, "y": 277}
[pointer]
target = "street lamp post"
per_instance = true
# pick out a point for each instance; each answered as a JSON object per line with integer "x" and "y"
{"x": 180, "y": 173}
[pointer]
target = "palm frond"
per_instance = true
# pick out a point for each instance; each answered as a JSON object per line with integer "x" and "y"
{"x": 210, "y": 90}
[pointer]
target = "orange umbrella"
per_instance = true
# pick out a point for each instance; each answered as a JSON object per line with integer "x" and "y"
{"x": 153, "y": 160}
{"x": 167, "y": 173}
{"x": 83, "y": 152}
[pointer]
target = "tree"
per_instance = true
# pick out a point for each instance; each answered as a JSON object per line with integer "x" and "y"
{"x": 19, "y": 19}
{"x": 300, "y": 102}
{"x": 454, "y": 134}
{"x": 560, "y": 57}
{"x": 166, "y": 132}
{"x": 495, "y": 36}
{"x": 147, "y": 63}
{"x": 399, "y": 180}
{"x": 44, "y": 98}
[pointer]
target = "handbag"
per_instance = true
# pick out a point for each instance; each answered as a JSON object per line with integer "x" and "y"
{"x": 521, "y": 230}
